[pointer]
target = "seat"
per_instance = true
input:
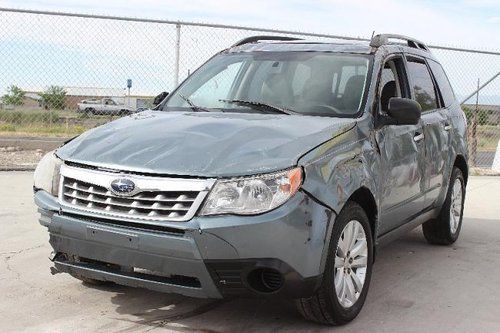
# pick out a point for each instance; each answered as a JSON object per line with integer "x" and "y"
{"x": 388, "y": 91}
{"x": 353, "y": 91}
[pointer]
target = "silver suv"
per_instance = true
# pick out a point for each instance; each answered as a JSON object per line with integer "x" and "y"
{"x": 277, "y": 169}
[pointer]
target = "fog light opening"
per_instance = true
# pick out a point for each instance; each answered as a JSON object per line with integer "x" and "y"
{"x": 265, "y": 280}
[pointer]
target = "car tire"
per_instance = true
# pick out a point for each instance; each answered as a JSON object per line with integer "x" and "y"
{"x": 325, "y": 306}
{"x": 445, "y": 229}
{"x": 89, "y": 112}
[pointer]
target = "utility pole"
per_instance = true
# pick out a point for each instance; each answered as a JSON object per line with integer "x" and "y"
{"x": 177, "y": 54}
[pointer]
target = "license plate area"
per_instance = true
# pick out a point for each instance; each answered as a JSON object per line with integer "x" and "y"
{"x": 123, "y": 239}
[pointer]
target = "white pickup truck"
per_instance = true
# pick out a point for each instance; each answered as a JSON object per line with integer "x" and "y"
{"x": 105, "y": 106}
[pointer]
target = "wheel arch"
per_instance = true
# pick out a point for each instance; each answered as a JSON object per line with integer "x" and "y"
{"x": 364, "y": 197}
{"x": 461, "y": 163}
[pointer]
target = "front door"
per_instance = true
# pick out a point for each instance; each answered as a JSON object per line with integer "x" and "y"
{"x": 402, "y": 150}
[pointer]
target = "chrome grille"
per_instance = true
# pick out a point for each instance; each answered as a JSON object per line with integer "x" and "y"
{"x": 158, "y": 203}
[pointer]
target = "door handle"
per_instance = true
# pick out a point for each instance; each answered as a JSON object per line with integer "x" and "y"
{"x": 447, "y": 127}
{"x": 418, "y": 137}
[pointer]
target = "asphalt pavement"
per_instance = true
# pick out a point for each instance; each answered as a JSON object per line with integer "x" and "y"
{"x": 416, "y": 287}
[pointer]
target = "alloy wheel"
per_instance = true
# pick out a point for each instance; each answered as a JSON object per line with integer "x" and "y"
{"x": 351, "y": 261}
{"x": 456, "y": 205}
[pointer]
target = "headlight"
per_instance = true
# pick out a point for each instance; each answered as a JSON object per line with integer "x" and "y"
{"x": 252, "y": 195}
{"x": 47, "y": 174}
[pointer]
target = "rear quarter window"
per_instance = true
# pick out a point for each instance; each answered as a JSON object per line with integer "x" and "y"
{"x": 443, "y": 83}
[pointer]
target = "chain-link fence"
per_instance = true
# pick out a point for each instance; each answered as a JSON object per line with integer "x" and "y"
{"x": 61, "y": 74}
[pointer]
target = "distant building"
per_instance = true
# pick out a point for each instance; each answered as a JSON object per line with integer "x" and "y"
{"x": 75, "y": 95}
{"x": 32, "y": 100}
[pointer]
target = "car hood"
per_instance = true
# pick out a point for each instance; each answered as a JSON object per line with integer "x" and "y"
{"x": 206, "y": 144}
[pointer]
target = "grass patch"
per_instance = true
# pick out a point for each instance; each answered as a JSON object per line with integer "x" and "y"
{"x": 40, "y": 122}
{"x": 487, "y": 137}
{"x": 57, "y": 130}
{"x": 31, "y": 116}
{"x": 7, "y": 128}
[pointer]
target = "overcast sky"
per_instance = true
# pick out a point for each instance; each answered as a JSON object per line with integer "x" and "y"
{"x": 466, "y": 23}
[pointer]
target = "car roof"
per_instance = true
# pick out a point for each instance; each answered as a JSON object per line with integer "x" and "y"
{"x": 302, "y": 45}
{"x": 378, "y": 44}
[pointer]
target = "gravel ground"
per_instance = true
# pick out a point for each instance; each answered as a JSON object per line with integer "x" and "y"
{"x": 14, "y": 158}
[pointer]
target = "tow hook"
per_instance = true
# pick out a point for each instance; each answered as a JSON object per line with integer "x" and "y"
{"x": 52, "y": 255}
{"x": 53, "y": 269}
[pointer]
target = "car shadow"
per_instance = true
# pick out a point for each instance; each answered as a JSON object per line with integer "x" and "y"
{"x": 184, "y": 314}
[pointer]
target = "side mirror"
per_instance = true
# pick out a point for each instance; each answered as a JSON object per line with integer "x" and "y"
{"x": 158, "y": 99}
{"x": 404, "y": 111}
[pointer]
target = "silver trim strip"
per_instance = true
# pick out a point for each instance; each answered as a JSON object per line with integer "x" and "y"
{"x": 143, "y": 183}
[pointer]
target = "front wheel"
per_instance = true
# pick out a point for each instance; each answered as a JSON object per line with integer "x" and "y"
{"x": 89, "y": 112}
{"x": 445, "y": 229}
{"x": 347, "y": 272}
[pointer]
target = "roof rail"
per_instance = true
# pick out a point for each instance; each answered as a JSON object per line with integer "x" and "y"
{"x": 383, "y": 39}
{"x": 254, "y": 39}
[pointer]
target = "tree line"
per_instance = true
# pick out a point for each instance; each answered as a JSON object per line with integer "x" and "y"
{"x": 54, "y": 97}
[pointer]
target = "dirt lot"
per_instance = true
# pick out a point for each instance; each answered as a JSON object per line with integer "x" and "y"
{"x": 18, "y": 159}
{"x": 416, "y": 287}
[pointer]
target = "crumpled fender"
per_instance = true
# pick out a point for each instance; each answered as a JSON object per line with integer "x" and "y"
{"x": 341, "y": 166}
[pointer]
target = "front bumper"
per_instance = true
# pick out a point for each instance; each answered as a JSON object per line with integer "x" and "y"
{"x": 207, "y": 257}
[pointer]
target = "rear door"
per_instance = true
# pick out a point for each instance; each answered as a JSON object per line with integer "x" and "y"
{"x": 436, "y": 127}
{"x": 448, "y": 104}
{"x": 402, "y": 154}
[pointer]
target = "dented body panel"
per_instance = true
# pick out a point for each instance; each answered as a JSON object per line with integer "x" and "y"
{"x": 301, "y": 224}
{"x": 202, "y": 144}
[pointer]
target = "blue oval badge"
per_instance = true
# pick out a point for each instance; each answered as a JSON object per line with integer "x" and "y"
{"x": 122, "y": 186}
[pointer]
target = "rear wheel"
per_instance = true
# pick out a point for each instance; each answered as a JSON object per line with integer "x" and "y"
{"x": 347, "y": 271}
{"x": 445, "y": 229}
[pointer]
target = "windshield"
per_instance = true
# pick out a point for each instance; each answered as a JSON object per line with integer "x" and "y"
{"x": 309, "y": 83}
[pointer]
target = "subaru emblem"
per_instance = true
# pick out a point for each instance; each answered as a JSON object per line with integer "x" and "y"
{"x": 122, "y": 186}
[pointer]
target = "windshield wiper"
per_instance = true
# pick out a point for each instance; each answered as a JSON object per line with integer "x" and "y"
{"x": 193, "y": 106}
{"x": 261, "y": 105}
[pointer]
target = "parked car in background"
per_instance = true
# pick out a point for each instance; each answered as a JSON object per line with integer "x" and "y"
{"x": 104, "y": 106}
{"x": 277, "y": 169}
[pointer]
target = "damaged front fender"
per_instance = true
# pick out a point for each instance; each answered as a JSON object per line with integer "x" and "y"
{"x": 342, "y": 166}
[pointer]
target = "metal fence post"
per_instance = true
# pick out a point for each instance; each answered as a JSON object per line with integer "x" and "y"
{"x": 480, "y": 87}
{"x": 177, "y": 53}
{"x": 473, "y": 148}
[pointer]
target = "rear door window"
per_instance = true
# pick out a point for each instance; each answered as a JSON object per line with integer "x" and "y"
{"x": 422, "y": 84}
{"x": 443, "y": 83}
